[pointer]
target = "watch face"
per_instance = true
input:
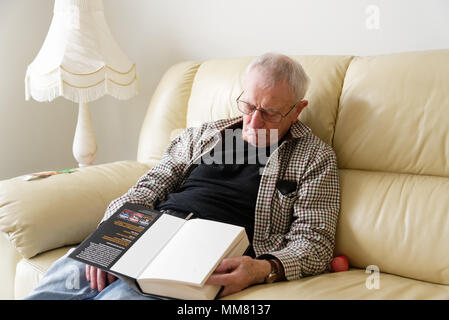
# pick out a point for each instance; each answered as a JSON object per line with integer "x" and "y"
{"x": 271, "y": 278}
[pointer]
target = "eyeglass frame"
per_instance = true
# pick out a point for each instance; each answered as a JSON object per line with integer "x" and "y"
{"x": 263, "y": 109}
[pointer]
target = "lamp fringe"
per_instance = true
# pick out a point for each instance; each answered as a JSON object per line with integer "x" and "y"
{"x": 83, "y": 95}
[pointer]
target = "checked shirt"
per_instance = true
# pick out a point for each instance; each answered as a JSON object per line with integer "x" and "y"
{"x": 298, "y": 227}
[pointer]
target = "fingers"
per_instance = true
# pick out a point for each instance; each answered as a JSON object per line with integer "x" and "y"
{"x": 111, "y": 278}
{"x": 223, "y": 275}
{"x": 234, "y": 274}
{"x": 101, "y": 279}
{"x": 227, "y": 265}
{"x": 220, "y": 279}
{"x": 228, "y": 281}
{"x": 93, "y": 278}
{"x": 98, "y": 278}
{"x": 227, "y": 291}
{"x": 88, "y": 272}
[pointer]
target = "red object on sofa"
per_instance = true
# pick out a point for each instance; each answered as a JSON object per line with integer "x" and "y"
{"x": 340, "y": 263}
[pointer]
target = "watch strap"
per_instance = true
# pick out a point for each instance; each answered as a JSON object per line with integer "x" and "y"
{"x": 274, "y": 273}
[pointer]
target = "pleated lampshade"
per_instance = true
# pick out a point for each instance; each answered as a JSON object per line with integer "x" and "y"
{"x": 80, "y": 60}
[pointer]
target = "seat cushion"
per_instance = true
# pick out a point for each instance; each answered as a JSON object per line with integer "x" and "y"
{"x": 395, "y": 221}
{"x": 346, "y": 285}
{"x": 30, "y": 271}
{"x": 341, "y": 285}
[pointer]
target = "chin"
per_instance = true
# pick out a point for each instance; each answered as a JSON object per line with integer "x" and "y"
{"x": 258, "y": 142}
{"x": 256, "y": 139}
{"x": 251, "y": 139}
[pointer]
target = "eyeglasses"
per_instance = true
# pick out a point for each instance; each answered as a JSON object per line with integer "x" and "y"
{"x": 268, "y": 115}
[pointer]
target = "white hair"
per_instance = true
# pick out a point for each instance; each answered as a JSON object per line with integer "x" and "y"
{"x": 280, "y": 67}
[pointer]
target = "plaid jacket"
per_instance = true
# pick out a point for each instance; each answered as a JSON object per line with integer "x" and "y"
{"x": 298, "y": 228}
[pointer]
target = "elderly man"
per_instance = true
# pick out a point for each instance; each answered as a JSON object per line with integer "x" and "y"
{"x": 281, "y": 184}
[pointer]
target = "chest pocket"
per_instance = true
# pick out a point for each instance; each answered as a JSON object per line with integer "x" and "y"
{"x": 282, "y": 211}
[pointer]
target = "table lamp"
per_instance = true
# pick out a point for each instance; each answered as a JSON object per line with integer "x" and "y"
{"x": 81, "y": 61}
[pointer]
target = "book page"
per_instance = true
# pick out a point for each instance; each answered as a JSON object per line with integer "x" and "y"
{"x": 181, "y": 290}
{"x": 148, "y": 246}
{"x": 194, "y": 252}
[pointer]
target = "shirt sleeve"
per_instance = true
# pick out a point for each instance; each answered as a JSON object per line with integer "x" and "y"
{"x": 162, "y": 179}
{"x": 311, "y": 239}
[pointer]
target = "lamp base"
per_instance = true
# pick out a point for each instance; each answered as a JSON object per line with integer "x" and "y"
{"x": 84, "y": 142}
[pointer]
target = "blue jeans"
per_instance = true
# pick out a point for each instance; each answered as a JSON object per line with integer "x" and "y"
{"x": 66, "y": 280}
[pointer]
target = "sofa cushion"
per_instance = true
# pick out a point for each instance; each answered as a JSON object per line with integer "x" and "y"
{"x": 219, "y": 82}
{"x": 166, "y": 114}
{"x": 340, "y": 285}
{"x": 398, "y": 222}
{"x": 392, "y": 129}
{"x": 61, "y": 210}
{"x": 9, "y": 259}
{"x": 350, "y": 285}
{"x": 30, "y": 271}
{"x": 393, "y": 114}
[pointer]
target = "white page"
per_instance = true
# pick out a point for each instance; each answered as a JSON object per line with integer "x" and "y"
{"x": 193, "y": 252}
{"x": 148, "y": 246}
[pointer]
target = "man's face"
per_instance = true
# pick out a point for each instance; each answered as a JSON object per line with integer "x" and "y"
{"x": 257, "y": 92}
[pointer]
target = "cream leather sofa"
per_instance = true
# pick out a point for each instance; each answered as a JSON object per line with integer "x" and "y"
{"x": 387, "y": 117}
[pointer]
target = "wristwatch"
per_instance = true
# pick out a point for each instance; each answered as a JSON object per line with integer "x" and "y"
{"x": 273, "y": 276}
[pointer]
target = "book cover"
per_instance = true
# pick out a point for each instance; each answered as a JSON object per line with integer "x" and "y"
{"x": 160, "y": 254}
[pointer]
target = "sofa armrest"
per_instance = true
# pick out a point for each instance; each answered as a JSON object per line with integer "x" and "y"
{"x": 8, "y": 263}
{"x": 64, "y": 209}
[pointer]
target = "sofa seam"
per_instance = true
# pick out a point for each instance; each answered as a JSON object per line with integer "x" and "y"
{"x": 339, "y": 99}
{"x": 199, "y": 64}
{"x": 395, "y": 172}
{"x": 34, "y": 265}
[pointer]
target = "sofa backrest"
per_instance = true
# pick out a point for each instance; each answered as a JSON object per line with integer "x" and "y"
{"x": 386, "y": 118}
{"x": 392, "y": 144}
{"x": 191, "y": 93}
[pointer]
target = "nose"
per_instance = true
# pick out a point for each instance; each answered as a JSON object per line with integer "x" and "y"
{"x": 257, "y": 120}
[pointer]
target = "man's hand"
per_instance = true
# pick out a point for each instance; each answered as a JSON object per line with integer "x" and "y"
{"x": 98, "y": 278}
{"x": 235, "y": 274}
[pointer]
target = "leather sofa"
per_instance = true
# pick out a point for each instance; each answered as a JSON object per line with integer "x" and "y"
{"x": 387, "y": 118}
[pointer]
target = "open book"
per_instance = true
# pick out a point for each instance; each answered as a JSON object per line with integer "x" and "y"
{"x": 161, "y": 254}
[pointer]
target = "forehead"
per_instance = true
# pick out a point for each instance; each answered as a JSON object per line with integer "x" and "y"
{"x": 261, "y": 90}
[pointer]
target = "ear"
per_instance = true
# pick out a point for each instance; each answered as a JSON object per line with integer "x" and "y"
{"x": 301, "y": 105}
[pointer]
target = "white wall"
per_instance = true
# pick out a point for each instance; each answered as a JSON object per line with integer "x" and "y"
{"x": 158, "y": 33}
